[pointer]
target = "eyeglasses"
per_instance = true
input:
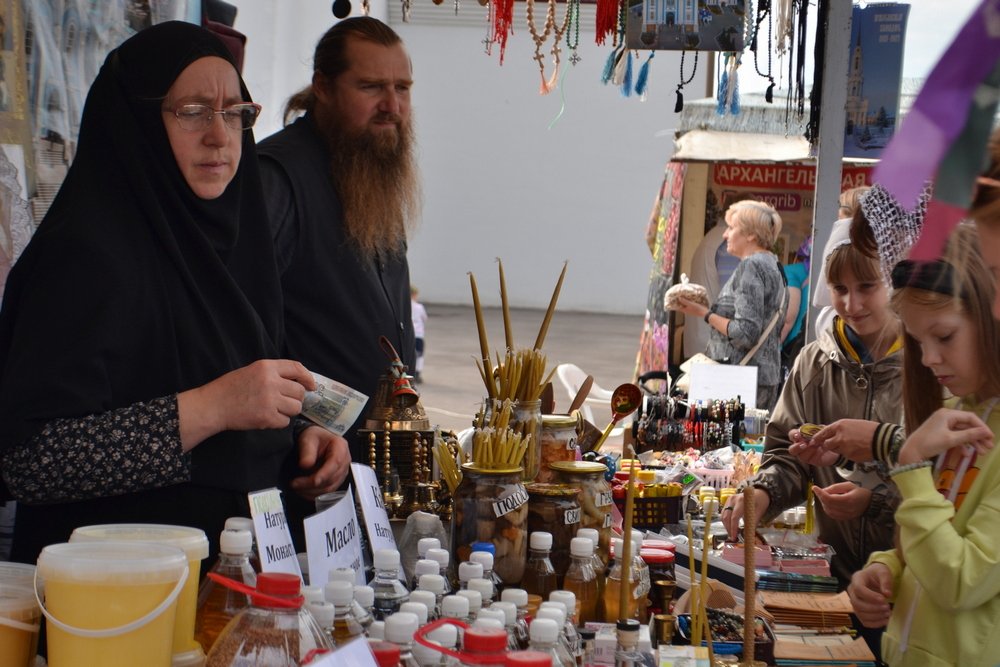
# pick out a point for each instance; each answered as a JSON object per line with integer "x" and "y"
{"x": 199, "y": 117}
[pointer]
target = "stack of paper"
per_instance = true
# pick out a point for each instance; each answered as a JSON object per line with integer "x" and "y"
{"x": 830, "y": 650}
{"x": 819, "y": 610}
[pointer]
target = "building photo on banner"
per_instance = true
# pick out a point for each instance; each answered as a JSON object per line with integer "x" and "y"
{"x": 359, "y": 315}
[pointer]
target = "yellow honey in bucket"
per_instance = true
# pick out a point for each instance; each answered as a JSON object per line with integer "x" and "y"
{"x": 102, "y": 586}
{"x": 192, "y": 541}
{"x": 19, "y": 625}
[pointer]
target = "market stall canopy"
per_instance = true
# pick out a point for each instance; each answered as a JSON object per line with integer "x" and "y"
{"x": 717, "y": 146}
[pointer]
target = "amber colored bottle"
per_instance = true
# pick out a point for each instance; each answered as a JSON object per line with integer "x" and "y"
{"x": 539, "y": 575}
{"x": 217, "y": 604}
{"x": 345, "y": 626}
{"x": 581, "y": 579}
{"x": 612, "y": 589}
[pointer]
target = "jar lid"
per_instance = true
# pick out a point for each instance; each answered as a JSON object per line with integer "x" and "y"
{"x": 483, "y": 640}
{"x": 578, "y": 467}
{"x": 662, "y": 545}
{"x": 561, "y": 421}
{"x": 656, "y": 556}
{"x": 550, "y": 489}
{"x": 472, "y": 467}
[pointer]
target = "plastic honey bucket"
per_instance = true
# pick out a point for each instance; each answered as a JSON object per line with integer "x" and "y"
{"x": 19, "y": 622}
{"x": 191, "y": 541}
{"x": 111, "y": 604}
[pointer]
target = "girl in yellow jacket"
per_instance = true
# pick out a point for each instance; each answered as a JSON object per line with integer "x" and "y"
{"x": 938, "y": 593}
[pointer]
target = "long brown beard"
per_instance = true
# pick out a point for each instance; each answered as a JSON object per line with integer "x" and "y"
{"x": 378, "y": 183}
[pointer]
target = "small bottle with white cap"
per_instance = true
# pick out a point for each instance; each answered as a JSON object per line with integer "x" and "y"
{"x": 324, "y": 612}
{"x": 519, "y": 597}
{"x": 457, "y": 607}
{"x": 364, "y": 600}
{"x": 509, "y": 610}
{"x": 445, "y": 636}
{"x": 557, "y": 612}
{"x": 568, "y": 601}
{"x": 467, "y": 571}
{"x": 442, "y": 558}
{"x": 539, "y": 575}
{"x": 417, "y": 608}
{"x": 485, "y": 589}
{"x": 488, "y": 572}
{"x": 545, "y": 639}
{"x": 389, "y": 590}
{"x": 422, "y": 567}
{"x": 345, "y": 626}
{"x": 491, "y": 618}
{"x": 581, "y": 579}
{"x": 485, "y": 558}
{"x": 475, "y": 599}
{"x": 435, "y": 584}
{"x": 429, "y": 600}
{"x": 399, "y": 629}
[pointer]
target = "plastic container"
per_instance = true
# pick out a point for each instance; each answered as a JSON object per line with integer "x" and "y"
{"x": 581, "y": 580}
{"x": 218, "y": 604}
{"x": 539, "y": 574}
{"x": 111, "y": 604}
{"x": 191, "y": 541}
{"x": 275, "y": 630}
{"x": 20, "y": 620}
{"x": 492, "y": 506}
{"x": 389, "y": 590}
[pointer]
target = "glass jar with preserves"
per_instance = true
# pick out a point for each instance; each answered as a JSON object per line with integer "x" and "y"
{"x": 491, "y": 505}
{"x": 555, "y": 509}
{"x": 558, "y": 441}
{"x": 595, "y": 498}
{"x": 526, "y": 420}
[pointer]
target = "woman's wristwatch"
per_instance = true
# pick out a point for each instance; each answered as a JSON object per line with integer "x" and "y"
{"x": 708, "y": 315}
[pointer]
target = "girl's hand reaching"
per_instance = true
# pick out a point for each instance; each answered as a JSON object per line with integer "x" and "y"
{"x": 944, "y": 430}
{"x": 870, "y": 591}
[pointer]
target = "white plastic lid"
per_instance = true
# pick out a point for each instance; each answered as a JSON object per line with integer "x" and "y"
{"x": 544, "y": 630}
{"x": 340, "y": 593}
{"x": 518, "y": 596}
{"x": 342, "y": 574}
{"x": 431, "y": 582}
{"x": 475, "y": 599}
{"x": 418, "y": 608}
{"x": 509, "y": 610}
{"x": 616, "y": 547}
{"x": 399, "y": 627}
{"x": 108, "y": 562}
{"x": 425, "y": 543}
{"x": 193, "y": 658}
{"x": 492, "y": 614}
{"x": 469, "y": 570}
{"x": 557, "y": 615}
{"x": 487, "y": 623}
{"x": 483, "y": 586}
{"x": 364, "y": 596}
{"x": 426, "y": 598}
{"x": 235, "y": 542}
{"x": 581, "y": 547}
{"x": 240, "y": 523}
{"x": 192, "y": 541}
{"x": 376, "y": 630}
{"x": 541, "y": 541}
{"x": 439, "y": 556}
{"x": 386, "y": 559}
{"x": 484, "y": 558}
{"x": 425, "y": 655}
{"x": 567, "y": 598}
{"x": 425, "y": 566}
{"x": 455, "y": 606}
{"x": 637, "y": 535}
{"x": 590, "y": 533}
{"x": 445, "y": 635}
{"x": 324, "y": 612}
{"x": 315, "y": 594}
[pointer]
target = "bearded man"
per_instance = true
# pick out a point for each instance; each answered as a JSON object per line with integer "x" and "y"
{"x": 342, "y": 193}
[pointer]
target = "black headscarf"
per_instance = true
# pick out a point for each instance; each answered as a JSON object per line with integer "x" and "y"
{"x": 135, "y": 288}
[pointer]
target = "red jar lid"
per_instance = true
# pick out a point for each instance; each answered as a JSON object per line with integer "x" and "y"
{"x": 484, "y": 640}
{"x": 528, "y": 659}
{"x": 386, "y": 653}
{"x": 657, "y": 556}
{"x": 662, "y": 545}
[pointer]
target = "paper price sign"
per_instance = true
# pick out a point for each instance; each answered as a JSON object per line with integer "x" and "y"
{"x": 333, "y": 539}
{"x": 274, "y": 541}
{"x": 375, "y": 516}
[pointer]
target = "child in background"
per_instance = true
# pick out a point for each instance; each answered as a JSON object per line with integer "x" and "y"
{"x": 939, "y": 592}
{"x": 419, "y": 323}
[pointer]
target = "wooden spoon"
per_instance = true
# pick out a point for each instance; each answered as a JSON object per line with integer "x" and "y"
{"x": 548, "y": 400}
{"x": 625, "y": 400}
{"x": 582, "y": 393}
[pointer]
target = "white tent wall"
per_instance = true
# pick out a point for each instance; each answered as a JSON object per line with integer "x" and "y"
{"x": 497, "y": 181}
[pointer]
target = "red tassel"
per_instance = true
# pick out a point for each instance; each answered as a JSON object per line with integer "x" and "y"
{"x": 606, "y": 19}
{"x": 504, "y": 24}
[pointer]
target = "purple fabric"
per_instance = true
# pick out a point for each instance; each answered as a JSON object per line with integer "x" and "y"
{"x": 941, "y": 108}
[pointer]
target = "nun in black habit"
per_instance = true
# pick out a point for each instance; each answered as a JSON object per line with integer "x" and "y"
{"x": 140, "y": 329}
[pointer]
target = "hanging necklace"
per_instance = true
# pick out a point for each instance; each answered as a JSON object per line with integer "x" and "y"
{"x": 764, "y": 9}
{"x": 573, "y": 34}
{"x": 539, "y": 40}
{"x": 503, "y": 23}
{"x": 679, "y": 105}
{"x": 558, "y": 32}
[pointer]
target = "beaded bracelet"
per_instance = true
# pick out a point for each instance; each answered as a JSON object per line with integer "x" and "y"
{"x": 909, "y": 466}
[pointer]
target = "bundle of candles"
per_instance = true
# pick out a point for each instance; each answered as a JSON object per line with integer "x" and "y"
{"x": 494, "y": 444}
{"x": 520, "y": 374}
